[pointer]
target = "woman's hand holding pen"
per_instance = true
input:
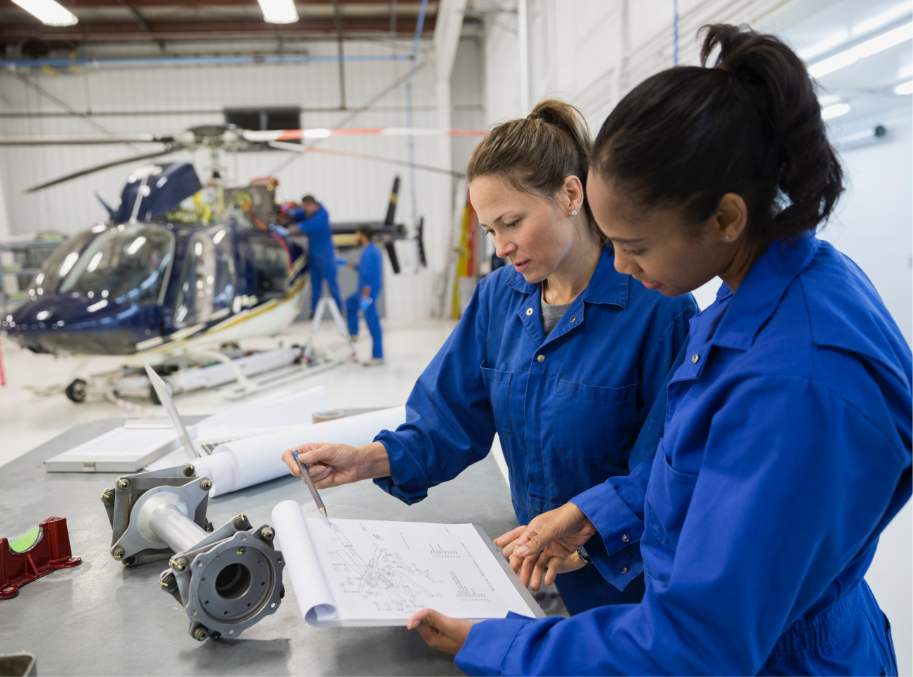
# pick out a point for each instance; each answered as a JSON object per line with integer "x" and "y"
{"x": 333, "y": 464}
{"x": 547, "y": 546}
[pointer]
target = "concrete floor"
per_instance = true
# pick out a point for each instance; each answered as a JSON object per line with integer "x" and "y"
{"x": 27, "y": 420}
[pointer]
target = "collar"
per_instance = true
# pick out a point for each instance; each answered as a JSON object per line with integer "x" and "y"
{"x": 606, "y": 286}
{"x": 762, "y": 290}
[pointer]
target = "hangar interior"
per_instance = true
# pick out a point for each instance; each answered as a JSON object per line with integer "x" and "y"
{"x": 138, "y": 69}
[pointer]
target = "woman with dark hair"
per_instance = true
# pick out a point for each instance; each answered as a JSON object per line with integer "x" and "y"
{"x": 787, "y": 446}
{"x": 558, "y": 353}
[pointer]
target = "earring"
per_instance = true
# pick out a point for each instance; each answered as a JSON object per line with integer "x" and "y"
{"x": 574, "y": 213}
{"x": 727, "y": 237}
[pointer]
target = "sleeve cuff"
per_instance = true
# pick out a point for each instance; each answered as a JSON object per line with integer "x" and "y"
{"x": 407, "y": 480}
{"x": 488, "y": 643}
{"x": 616, "y": 523}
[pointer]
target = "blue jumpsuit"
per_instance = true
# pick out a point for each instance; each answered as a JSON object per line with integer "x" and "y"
{"x": 567, "y": 407}
{"x": 369, "y": 275}
{"x": 321, "y": 254}
{"x": 786, "y": 453}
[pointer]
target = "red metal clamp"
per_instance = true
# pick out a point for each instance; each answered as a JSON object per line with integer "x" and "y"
{"x": 49, "y": 553}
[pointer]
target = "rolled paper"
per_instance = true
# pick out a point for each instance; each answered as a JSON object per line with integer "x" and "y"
{"x": 253, "y": 460}
{"x": 329, "y": 415}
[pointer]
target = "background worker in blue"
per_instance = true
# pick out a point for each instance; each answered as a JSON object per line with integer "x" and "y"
{"x": 313, "y": 220}
{"x": 370, "y": 270}
{"x": 787, "y": 445}
{"x": 558, "y": 353}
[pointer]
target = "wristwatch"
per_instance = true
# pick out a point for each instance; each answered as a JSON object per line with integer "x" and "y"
{"x": 584, "y": 555}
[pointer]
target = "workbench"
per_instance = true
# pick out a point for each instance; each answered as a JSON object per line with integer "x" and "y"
{"x": 102, "y": 618}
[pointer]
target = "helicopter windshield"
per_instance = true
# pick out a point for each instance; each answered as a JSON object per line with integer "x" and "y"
{"x": 59, "y": 263}
{"x": 126, "y": 263}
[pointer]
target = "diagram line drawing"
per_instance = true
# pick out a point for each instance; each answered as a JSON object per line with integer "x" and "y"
{"x": 386, "y": 580}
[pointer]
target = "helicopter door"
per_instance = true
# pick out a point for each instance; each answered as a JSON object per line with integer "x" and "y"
{"x": 271, "y": 262}
{"x": 209, "y": 278}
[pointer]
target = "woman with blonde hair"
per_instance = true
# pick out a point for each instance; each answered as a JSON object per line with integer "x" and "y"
{"x": 558, "y": 353}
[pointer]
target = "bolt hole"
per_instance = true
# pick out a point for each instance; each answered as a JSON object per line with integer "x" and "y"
{"x": 199, "y": 564}
{"x": 204, "y": 578}
{"x": 206, "y": 602}
{"x": 248, "y": 604}
{"x": 231, "y": 632}
{"x": 259, "y": 561}
{"x": 279, "y": 559}
{"x": 226, "y": 613}
{"x": 244, "y": 538}
{"x": 263, "y": 584}
{"x": 194, "y": 612}
{"x": 272, "y": 606}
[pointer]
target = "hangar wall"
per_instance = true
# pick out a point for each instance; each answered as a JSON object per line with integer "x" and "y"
{"x": 167, "y": 99}
{"x": 592, "y": 52}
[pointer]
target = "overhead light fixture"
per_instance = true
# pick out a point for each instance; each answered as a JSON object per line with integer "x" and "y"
{"x": 279, "y": 11}
{"x": 861, "y": 51}
{"x": 48, "y": 12}
{"x": 835, "y": 111}
{"x": 905, "y": 88}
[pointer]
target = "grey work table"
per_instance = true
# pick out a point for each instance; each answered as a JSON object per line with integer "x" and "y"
{"x": 102, "y": 618}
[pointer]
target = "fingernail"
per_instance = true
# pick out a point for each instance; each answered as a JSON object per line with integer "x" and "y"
{"x": 521, "y": 550}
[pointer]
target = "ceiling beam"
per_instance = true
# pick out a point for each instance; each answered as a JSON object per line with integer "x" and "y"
{"x": 191, "y": 30}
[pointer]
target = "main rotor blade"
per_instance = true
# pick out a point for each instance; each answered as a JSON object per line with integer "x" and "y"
{"x": 74, "y": 140}
{"x": 98, "y": 168}
{"x": 294, "y": 147}
{"x": 320, "y": 133}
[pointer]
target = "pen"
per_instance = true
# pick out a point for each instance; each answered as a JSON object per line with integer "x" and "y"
{"x": 307, "y": 478}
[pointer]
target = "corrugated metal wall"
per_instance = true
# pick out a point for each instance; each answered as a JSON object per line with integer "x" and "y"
{"x": 170, "y": 99}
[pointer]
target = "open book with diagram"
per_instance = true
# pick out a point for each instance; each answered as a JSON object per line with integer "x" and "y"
{"x": 368, "y": 573}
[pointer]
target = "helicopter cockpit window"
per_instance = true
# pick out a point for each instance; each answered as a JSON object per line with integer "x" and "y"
{"x": 208, "y": 281}
{"x": 58, "y": 264}
{"x": 271, "y": 263}
{"x": 123, "y": 263}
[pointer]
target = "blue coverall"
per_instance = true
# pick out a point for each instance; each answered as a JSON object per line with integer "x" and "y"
{"x": 567, "y": 407}
{"x": 786, "y": 453}
{"x": 321, "y": 255}
{"x": 369, "y": 275}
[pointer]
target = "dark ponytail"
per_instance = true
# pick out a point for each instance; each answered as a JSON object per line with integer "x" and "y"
{"x": 752, "y": 126}
{"x": 537, "y": 153}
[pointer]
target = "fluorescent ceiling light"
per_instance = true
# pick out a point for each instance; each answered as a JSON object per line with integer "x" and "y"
{"x": 861, "y": 51}
{"x": 835, "y": 63}
{"x": 835, "y": 111}
{"x": 279, "y": 11}
{"x": 824, "y": 46}
{"x": 883, "y": 19}
{"x": 883, "y": 41}
{"x": 48, "y": 12}
{"x": 905, "y": 88}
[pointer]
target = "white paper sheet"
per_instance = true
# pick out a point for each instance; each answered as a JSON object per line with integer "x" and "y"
{"x": 253, "y": 460}
{"x": 365, "y": 572}
{"x": 122, "y": 442}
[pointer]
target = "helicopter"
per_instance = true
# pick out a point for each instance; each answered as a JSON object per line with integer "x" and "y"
{"x": 161, "y": 281}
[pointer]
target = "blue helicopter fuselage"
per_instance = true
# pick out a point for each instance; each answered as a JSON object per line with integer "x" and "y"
{"x": 122, "y": 288}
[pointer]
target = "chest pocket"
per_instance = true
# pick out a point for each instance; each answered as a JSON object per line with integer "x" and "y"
{"x": 668, "y": 499}
{"x": 497, "y": 383}
{"x": 595, "y": 424}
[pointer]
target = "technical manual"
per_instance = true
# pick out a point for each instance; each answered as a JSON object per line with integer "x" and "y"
{"x": 348, "y": 572}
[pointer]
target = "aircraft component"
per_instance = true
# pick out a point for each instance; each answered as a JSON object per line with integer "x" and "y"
{"x": 35, "y": 554}
{"x": 226, "y": 579}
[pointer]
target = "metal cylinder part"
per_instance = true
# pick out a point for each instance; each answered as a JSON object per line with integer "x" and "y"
{"x": 164, "y": 517}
